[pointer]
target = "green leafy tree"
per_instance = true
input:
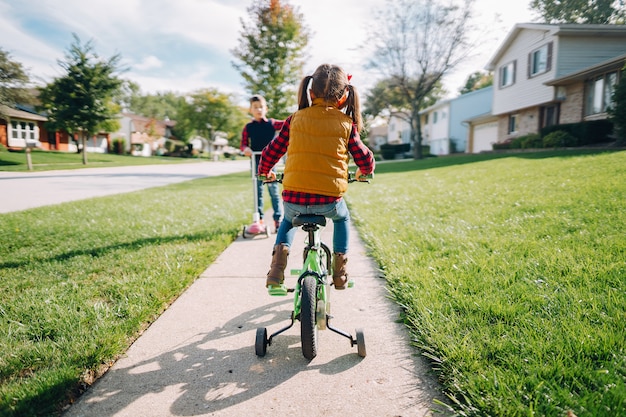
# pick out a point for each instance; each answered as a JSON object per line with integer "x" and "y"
{"x": 477, "y": 81}
{"x": 415, "y": 43}
{"x": 205, "y": 112}
{"x": 13, "y": 82}
{"x": 617, "y": 111}
{"x": 580, "y": 11}
{"x": 270, "y": 55}
{"x": 80, "y": 101}
{"x": 160, "y": 105}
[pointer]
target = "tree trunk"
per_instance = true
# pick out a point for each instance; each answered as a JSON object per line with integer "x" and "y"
{"x": 84, "y": 142}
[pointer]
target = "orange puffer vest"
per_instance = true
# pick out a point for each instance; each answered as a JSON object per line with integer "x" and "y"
{"x": 317, "y": 156}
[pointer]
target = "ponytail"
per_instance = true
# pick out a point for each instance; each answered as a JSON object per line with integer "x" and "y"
{"x": 353, "y": 107}
{"x": 303, "y": 94}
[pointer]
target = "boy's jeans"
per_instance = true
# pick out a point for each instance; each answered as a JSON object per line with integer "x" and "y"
{"x": 337, "y": 212}
{"x": 274, "y": 190}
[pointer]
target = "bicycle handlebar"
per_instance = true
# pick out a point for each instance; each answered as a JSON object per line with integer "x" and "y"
{"x": 351, "y": 178}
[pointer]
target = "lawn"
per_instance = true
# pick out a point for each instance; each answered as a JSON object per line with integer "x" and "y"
{"x": 510, "y": 270}
{"x": 512, "y": 276}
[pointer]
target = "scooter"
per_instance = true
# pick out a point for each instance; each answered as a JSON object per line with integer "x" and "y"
{"x": 256, "y": 227}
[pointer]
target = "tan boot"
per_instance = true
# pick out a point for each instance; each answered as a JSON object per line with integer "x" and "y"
{"x": 276, "y": 274}
{"x": 340, "y": 276}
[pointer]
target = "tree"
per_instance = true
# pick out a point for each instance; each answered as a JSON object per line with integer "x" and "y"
{"x": 81, "y": 100}
{"x": 617, "y": 111}
{"x": 580, "y": 11}
{"x": 416, "y": 42}
{"x": 270, "y": 55}
{"x": 13, "y": 82}
{"x": 208, "y": 111}
{"x": 477, "y": 81}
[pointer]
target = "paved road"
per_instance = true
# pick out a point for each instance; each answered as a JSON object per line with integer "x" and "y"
{"x": 24, "y": 190}
{"x": 198, "y": 358}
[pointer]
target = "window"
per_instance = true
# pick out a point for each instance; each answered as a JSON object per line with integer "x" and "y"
{"x": 24, "y": 131}
{"x": 435, "y": 118}
{"x": 549, "y": 116}
{"x": 507, "y": 74}
{"x": 513, "y": 123}
{"x": 599, "y": 92}
{"x": 540, "y": 60}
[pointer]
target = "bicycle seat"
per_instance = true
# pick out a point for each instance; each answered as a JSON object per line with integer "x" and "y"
{"x": 309, "y": 218}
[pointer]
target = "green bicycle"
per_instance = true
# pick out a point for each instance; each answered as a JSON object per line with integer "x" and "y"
{"x": 311, "y": 304}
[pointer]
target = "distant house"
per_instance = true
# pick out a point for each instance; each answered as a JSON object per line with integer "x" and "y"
{"x": 377, "y": 135}
{"x": 444, "y": 124}
{"x": 398, "y": 128}
{"x": 146, "y": 136}
{"x": 548, "y": 74}
{"x": 21, "y": 128}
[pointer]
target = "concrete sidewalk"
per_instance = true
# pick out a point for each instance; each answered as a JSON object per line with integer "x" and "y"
{"x": 198, "y": 358}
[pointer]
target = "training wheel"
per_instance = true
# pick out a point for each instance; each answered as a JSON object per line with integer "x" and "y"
{"x": 260, "y": 346}
{"x": 360, "y": 343}
{"x": 243, "y": 233}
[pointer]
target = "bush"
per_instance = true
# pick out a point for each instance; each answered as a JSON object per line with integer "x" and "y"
{"x": 530, "y": 141}
{"x": 560, "y": 139}
{"x": 389, "y": 150}
{"x": 588, "y": 133}
{"x": 617, "y": 112}
{"x": 118, "y": 146}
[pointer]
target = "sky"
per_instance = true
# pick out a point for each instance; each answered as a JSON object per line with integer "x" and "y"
{"x": 185, "y": 45}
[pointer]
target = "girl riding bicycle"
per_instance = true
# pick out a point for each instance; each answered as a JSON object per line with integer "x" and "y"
{"x": 318, "y": 140}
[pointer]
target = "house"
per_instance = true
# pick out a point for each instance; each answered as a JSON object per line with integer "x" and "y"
{"x": 146, "y": 136}
{"x": 377, "y": 135}
{"x": 444, "y": 124}
{"x": 550, "y": 74}
{"x": 21, "y": 128}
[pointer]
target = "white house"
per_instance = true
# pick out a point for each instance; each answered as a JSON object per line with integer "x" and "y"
{"x": 548, "y": 74}
{"x": 445, "y": 124}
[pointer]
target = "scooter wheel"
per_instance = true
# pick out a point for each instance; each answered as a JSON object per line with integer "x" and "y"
{"x": 360, "y": 343}
{"x": 260, "y": 346}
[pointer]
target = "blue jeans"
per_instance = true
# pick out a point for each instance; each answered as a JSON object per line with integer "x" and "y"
{"x": 274, "y": 190}
{"x": 337, "y": 212}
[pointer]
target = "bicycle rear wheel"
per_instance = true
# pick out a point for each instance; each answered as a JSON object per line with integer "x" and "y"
{"x": 308, "y": 329}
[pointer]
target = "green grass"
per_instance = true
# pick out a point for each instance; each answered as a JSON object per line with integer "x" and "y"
{"x": 79, "y": 281}
{"x": 511, "y": 271}
{"x": 512, "y": 276}
{"x": 52, "y": 160}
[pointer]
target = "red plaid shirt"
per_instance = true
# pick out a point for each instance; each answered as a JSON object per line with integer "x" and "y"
{"x": 275, "y": 150}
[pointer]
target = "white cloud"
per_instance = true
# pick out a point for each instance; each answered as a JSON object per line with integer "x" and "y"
{"x": 148, "y": 62}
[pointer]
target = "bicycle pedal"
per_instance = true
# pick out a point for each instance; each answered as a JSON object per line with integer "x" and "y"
{"x": 277, "y": 290}
{"x": 351, "y": 283}
{"x": 296, "y": 272}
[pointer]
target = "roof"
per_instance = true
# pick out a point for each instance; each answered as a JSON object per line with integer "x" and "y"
{"x": 21, "y": 114}
{"x": 569, "y": 29}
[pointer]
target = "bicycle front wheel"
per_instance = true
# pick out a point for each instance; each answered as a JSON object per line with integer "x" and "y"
{"x": 308, "y": 329}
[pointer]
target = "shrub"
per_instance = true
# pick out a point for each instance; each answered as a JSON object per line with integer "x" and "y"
{"x": 118, "y": 146}
{"x": 617, "y": 112}
{"x": 389, "y": 150}
{"x": 559, "y": 139}
{"x": 588, "y": 133}
{"x": 532, "y": 140}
